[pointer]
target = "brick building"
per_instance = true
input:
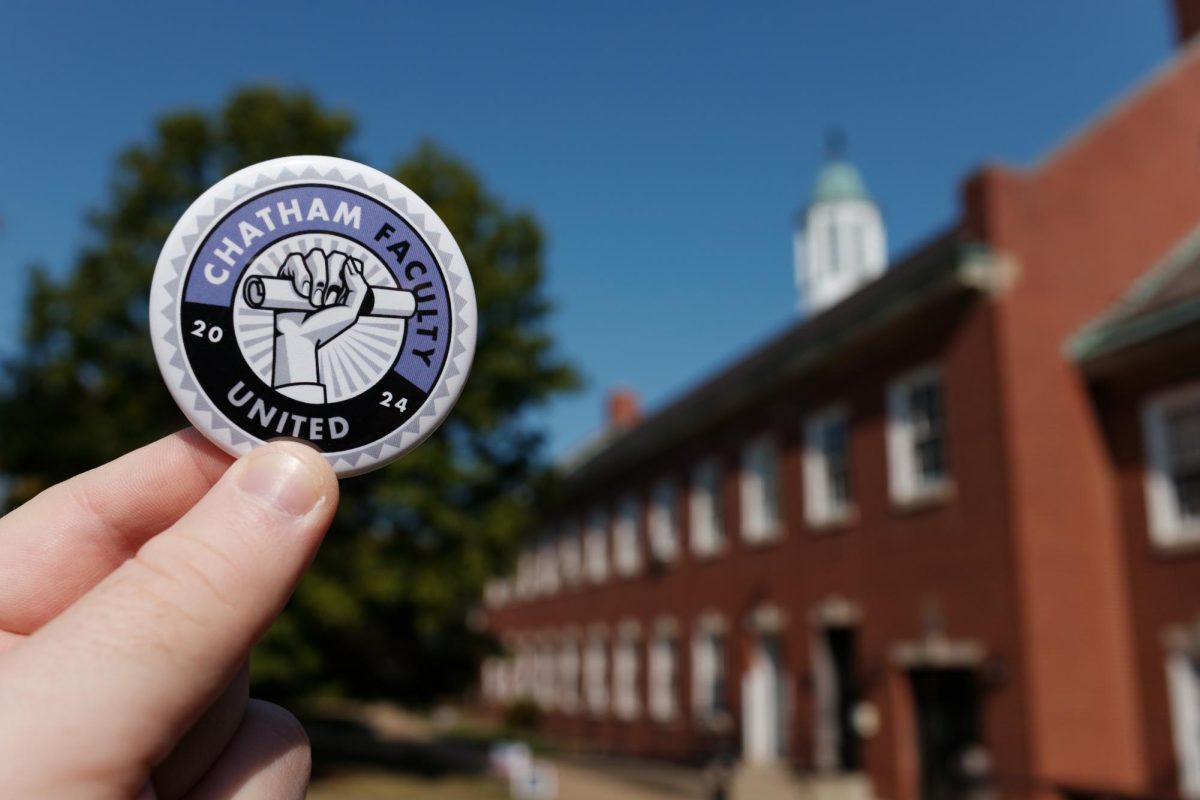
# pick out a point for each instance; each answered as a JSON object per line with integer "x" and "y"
{"x": 942, "y": 534}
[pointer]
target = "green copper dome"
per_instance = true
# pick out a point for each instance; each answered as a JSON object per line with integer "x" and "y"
{"x": 839, "y": 180}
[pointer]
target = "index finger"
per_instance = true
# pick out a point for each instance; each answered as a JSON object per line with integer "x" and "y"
{"x": 63, "y": 542}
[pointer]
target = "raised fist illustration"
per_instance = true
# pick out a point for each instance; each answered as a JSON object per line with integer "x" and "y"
{"x": 329, "y": 290}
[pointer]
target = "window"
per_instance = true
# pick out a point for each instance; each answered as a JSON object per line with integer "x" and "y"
{"x": 860, "y": 249}
{"x": 545, "y": 685}
{"x": 707, "y": 510}
{"x": 827, "y": 467}
{"x": 547, "y": 567}
{"x": 595, "y": 674}
{"x": 570, "y": 555}
{"x": 1183, "y": 683}
{"x": 523, "y": 671}
{"x": 568, "y": 674}
{"x": 664, "y": 673}
{"x": 627, "y": 546}
{"x": 917, "y": 437}
{"x": 760, "y": 491}
{"x": 625, "y": 672}
{"x": 487, "y": 679}
{"x": 526, "y": 574}
{"x": 664, "y": 522}
{"x": 1171, "y": 429}
{"x": 595, "y": 547}
{"x": 503, "y": 680}
{"x": 834, "y": 255}
{"x": 709, "y": 676}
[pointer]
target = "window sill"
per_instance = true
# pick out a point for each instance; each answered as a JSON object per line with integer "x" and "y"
{"x": 833, "y": 523}
{"x": 1185, "y": 545}
{"x": 925, "y": 498}
{"x": 710, "y": 553}
{"x": 767, "y": 538}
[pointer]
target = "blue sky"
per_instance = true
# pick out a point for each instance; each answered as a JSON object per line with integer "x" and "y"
{"x": 664, "y": 147}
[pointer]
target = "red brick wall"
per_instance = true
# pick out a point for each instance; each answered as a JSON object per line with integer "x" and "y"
{"x": 954, "y": 556}
{"x": 1166, "y": 587}
{"x": 1082, "y": 226}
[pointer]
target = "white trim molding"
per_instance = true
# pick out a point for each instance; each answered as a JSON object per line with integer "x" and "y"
{"x": 910, "y": 481}
{"x": 824, "y": 503}
{"x": 1170, "y": 525}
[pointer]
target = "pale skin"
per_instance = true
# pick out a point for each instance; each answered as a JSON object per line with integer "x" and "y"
{"x": 130, "y": 597}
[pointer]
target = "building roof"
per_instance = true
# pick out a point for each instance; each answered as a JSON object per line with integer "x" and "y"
{"x": 839, "y": 180}
{"x": 1164, "y": 300}
{"x": 947, "y": 264}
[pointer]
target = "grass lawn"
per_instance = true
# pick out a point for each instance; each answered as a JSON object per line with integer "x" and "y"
{"x": 371, "y": 783}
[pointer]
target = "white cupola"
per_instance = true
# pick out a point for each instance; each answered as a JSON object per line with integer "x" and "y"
{"x": 840, "y": 242}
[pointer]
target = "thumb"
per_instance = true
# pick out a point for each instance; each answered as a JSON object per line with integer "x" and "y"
{"x": 113, "y": 682}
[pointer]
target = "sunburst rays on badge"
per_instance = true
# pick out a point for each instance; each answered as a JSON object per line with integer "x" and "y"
{"x": 351, "y": 363}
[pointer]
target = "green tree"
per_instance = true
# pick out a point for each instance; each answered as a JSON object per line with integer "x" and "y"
{"x": 385, "y": 610}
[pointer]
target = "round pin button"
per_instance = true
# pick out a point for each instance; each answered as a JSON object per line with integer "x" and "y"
{"x": 318, "y": 299}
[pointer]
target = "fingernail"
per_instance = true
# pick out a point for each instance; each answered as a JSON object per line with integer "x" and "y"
{"x": 282, "y": 480}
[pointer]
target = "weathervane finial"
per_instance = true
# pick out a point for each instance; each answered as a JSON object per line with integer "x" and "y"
{"x": 835, "y": 144}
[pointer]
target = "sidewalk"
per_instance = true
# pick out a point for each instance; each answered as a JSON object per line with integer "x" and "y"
{"x": 595, "y": 779}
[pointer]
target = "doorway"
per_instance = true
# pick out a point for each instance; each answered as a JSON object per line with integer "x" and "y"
{"x": 764, "y": 702}
{"x": 835, "y": 673}
{"x": 949, "y": 738}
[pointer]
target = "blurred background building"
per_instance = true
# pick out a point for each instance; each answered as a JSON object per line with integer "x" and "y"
{"x": 940, "y": 538}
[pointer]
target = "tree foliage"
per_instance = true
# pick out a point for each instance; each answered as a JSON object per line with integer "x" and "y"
{"x": 385, "y": 610}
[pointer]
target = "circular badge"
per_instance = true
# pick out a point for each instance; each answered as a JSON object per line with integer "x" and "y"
{"x": 317, "y": 299}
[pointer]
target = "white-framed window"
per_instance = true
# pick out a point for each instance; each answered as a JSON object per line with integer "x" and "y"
{"x": 523, "y": 666}
{"x": 547, "y": 567}
{"x": 487, "y": 678}
{"x": 1171, "y": 432}
{"x": 827, "y": 495}
{"x": 626, "y": 669}
{"x": 570, "y": 555}
{"x": 664, "y": 521}
{"x": 760, "y": 490}
{"x": 526, "y": 574}
{"x": 627, "y": 539}
{"x": 595, "y": 672}
{"x": 710, "y": 689}
{"x": 707, "y": 517}
{"x": 595, "y": 547}
{"x": 504, "y": 680}
{"x": 917, "y": 452}
{"x": 568, "y": 673}
{"x": 664, "y": 672}
{"x": 545, "y": 674}
{"x": 1183, "y": 686}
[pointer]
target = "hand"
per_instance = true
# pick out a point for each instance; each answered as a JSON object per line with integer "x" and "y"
{"x": 334, "y": 284}
{"x": 316, "y": 275}
{"x": 130, "y": 597}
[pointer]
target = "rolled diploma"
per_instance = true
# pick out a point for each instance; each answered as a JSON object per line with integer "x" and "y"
{"x": 278, "y": 294}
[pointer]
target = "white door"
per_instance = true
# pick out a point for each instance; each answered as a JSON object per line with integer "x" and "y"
{"x": 761, "y": 704}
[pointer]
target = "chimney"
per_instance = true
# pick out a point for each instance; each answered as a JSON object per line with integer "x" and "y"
{"x": 623, "y": 409}
{"x": 1187, "y": 19}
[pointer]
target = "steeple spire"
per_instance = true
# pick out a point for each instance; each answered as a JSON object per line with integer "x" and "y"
{"x": 840, "y": 243}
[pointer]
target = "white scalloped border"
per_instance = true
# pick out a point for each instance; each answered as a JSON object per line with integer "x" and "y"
{"x": 195, "y": 223}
